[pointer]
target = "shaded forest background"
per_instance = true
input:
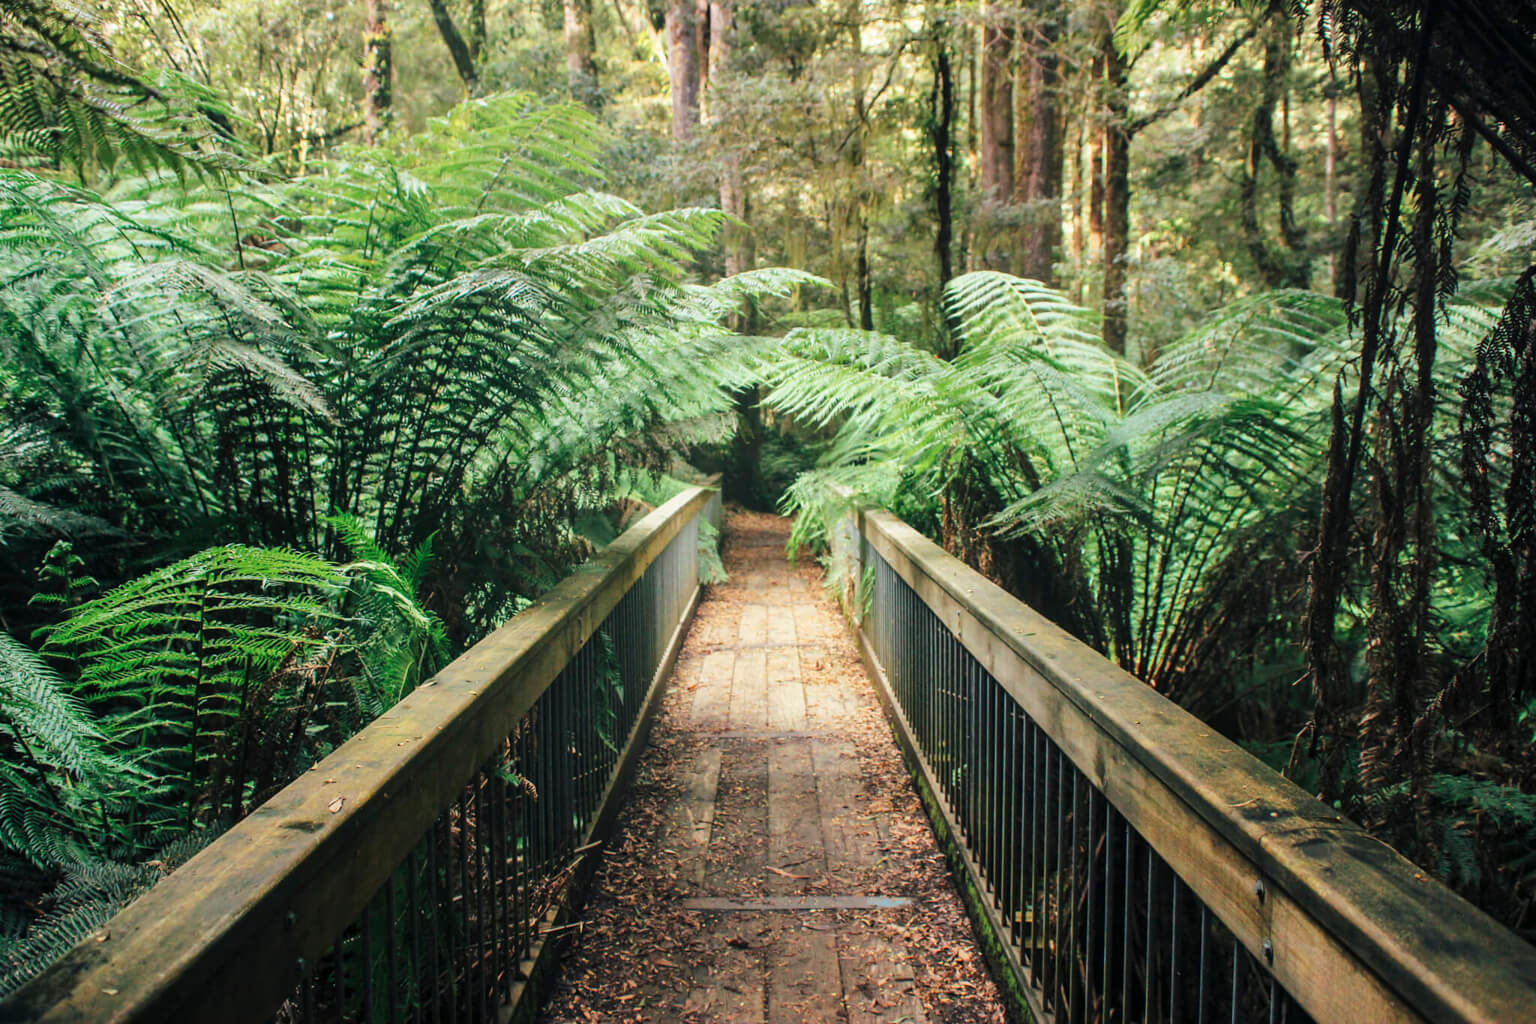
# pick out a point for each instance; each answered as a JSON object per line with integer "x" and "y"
{"x": 333, "y": 332}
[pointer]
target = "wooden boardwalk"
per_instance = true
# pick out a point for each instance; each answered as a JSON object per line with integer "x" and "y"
{"x": 772, "y": 864}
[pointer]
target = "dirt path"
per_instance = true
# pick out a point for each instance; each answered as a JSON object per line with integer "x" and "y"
{"x": 772, "y": 864}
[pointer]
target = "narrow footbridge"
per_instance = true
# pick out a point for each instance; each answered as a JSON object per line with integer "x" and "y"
{"x": 1121, "y": 862}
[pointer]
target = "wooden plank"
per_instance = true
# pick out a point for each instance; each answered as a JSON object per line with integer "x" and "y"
{"x": 693, "y": 816}
{"x": 786, "y": 695}
{"x": 804, "y": 983}
{"x": 1358, "y": 932}
{"x": 729, "y": 987}
{"x": 796, "y": 854}
{"x": 879, "y": 983}
{"x": 848, "y": 835}
{"x": 721, "y": 623}
{"x": 749, "y": 690}
{"x": 827, "y": 701}
{"x": 712, "y": 699}
{"x": 753, "y": 627}
{"x": 222, "y": 937}
{"x": 739, "y": 833}
{"x": 813, "y": 625}
{"x": 779, "y": 629}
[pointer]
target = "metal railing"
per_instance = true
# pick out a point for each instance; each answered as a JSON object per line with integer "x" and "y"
{"x": 1133, "y": 865}
{"x": 415, "y": 873}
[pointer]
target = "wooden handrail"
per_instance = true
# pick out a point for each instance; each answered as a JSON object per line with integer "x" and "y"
{"x": 1350, "y": 929}
{"x": 228, "y": 935}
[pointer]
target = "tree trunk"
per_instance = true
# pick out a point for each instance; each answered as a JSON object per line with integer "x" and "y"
{"x": 378, "y": 70}
{"x": 735, "y": 238}
{"x": 1286, "y": 267}
{"x": 580, "y": 43}
{"x": 941, "y": 133}
{"x": 1117, "y": 187}
{"x": 463, "y": 60}
{"x": 996, "y": 101}
{"x": 1330, "y": 186}
{"x": 1037, "y": 148}
{"x": 861, "y": 271}
{"x": 1078, "y": 192}
{"x": 1403, "y": 538}
{"x": 1094, "y": 102}
{"x": 683, "y": 67}
{"x": 476, "y": 36}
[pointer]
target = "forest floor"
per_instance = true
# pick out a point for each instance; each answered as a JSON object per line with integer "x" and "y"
{"x": 773, "y": 863}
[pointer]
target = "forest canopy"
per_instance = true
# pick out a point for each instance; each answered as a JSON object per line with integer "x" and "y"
{"x": 332, "y": 333}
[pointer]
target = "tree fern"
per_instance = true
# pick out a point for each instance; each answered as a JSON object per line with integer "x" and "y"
{"x": 55, "y": 760}
{"x": 65, "y": 99}
{"x": 176, "y": 663}
{"x": 402, "y": 642}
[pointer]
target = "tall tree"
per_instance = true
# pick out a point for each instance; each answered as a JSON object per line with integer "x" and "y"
{"x": 995, "y": 116}
{"x": 1116, "y": 147}
{"x": 1037, "y": 142}
{"x": 735, "y": 237}
{"x": 683, "y": 66}
{"x": 941, "y": 136}
{"x": 458, "y": 49}
{"x": 1288, "y": 265}
{"x": 1118, "y": 131}
{"x": 580, "y": 47}
{"x": 378, "y": 69}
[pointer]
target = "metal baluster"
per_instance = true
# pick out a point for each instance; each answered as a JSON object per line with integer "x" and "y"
{"x": 1148, "y": 974}
{"x": 413, "y": 909}
{"x": 366, "y": 974}
{"x": 307, "y": 994}
{"x": 1237, "y": 982}
{"x": 1125, "y": 920}
{"x": 1174, "y": 950}
{"x": 391, "y": 959}
{"x": 1071, "y": 884}
{"x": 1111, "y": 830}
{"x": 339, "y": 951}
{"x": 1090, "y": 919}
{"x": 1059, "y": 945}
{"x": 1205, "y": 962}
{"x": 463, "y": 996}
{"x": 435, "y": 899}
{"x": 1037, "y": 846}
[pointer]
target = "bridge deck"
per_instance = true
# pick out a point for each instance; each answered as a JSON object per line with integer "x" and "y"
{"x": 773, "y": 863}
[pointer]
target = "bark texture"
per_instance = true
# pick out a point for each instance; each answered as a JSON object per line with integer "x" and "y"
{"x": 458, "y": 49}
{"x": 1117, "y": 186}
{"x": 378, "y": 70}
{"x": 1037, "y": 147}
{"x": 683, "y": 70}
{"x": 580, "y": 45}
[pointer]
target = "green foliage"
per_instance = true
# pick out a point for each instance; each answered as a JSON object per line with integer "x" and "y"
{"x": 56, "y": 759}
{"x": 1164, "y": 493}
{"x": 90, "y": 892}
{"x": 711, "y": 568}
{"x": 405, "y": 641}
{"x": 183, "y": 666}
{"x": 329, "y": 430}
{"x": 66, "y": 100}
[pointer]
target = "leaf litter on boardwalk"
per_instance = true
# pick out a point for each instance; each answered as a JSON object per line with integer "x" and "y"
{"x": 644, "y": 957}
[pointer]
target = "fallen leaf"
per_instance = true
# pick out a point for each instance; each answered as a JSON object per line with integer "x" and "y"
{"x": 785, "y": 874}
{"x": 338, "y": 804}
